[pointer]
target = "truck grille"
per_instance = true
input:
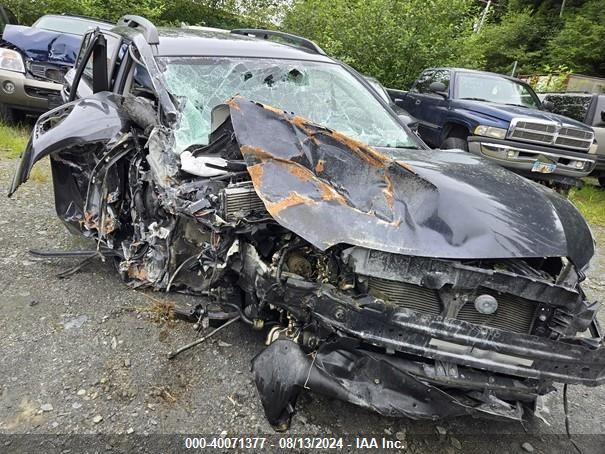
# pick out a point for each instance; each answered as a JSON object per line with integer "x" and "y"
{"x": 47, "y": 72}
{"x": 550, "y": 133}
{"x": 240, "y": 201}
{"x": 514, "y": 314}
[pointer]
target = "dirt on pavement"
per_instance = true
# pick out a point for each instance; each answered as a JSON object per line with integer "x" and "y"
{"x": 88, "y": 355}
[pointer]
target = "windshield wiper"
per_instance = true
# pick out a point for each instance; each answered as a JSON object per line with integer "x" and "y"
{"x": 476, "y": 99}
{"x": 516, "y": 105}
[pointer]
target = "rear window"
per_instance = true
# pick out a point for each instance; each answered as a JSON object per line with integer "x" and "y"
{"x": 570, "y": 106}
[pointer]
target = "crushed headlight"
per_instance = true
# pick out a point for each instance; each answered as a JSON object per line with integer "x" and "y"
{"x": 490, "y": 131}
{"x": 11, "y": 60}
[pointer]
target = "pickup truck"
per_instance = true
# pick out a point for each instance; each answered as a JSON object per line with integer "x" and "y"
{"x": 502, "y": 119}
{"x": 589, "y": 108}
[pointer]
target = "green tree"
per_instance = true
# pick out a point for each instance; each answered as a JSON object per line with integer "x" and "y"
{"x": 581, "y": 43}
{"x": 388, "y": 39}
{"x": 517, "y": 36}
{"x": 28, "y": 11}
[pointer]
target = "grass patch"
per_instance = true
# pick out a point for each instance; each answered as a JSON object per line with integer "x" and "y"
{"x": 591, "y": 202}
{"x": 39, "y": 174}
{"x": 13, "y": 140}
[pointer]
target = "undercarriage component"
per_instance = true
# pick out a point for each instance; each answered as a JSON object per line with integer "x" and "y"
{"x": 173, "y": 354}
{"x": 388, "y": 385}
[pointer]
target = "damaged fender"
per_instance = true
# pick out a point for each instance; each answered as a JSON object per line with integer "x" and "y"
{"x": 43, "y": 45}
{"x": 95, "y": 120}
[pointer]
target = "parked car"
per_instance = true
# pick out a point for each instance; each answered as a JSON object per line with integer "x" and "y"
{"x": 401, "y": 113}
{"x": 272, "y": 182}
{"x": 589, "y": 108}
{"x": 502, "y": 119}
{"x": 33, "y": 61}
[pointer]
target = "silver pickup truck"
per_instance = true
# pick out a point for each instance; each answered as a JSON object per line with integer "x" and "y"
{"x": 588, "y": 108}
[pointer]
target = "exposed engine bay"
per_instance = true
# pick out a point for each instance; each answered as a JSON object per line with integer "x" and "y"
{"x": 377, "y": 279}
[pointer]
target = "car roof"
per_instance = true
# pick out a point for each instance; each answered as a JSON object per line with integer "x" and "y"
{"x": 476, "y": 71}
{"x": 216, "y": 42}
{"x": 79, "y": 17}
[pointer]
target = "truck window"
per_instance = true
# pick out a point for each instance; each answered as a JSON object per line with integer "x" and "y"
{"x": 495, "y": 88}
{"x": 572, "y": 106}
{"x": 428, "y": 77}
{"x": 423, "y": 82}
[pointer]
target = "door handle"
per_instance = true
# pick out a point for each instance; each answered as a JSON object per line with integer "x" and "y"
{"x": 417, "y": 102}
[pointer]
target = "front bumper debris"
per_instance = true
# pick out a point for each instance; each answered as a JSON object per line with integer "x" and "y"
{"x": 399, "y": 362}
{"x": 386, "y": 384}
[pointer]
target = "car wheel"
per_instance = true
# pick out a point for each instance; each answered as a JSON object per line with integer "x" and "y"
{"x": 602, "y": 182}
{"x": 7, "y": 114}
{"x": 454, "y": 143}
{"x": 11, "y": 116}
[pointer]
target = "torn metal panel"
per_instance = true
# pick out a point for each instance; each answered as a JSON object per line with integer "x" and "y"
{"x": 85, "y": 122}
{"x": 331, "y": 190}
{"x": 388, "y": 385}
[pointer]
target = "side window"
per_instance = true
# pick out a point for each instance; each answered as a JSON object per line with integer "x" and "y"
{"x": 6, "y": 17}
{"x": 423, "y": 82}
{"x": 439, "y": 75}
{"x": 113, "y": 72}
{"x": 442, "y": 76}
{"x": 84, "y": 63}
{"x": 10, "y": 16}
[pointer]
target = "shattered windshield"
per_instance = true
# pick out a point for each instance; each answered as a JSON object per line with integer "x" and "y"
{"x": 325, "y": 93}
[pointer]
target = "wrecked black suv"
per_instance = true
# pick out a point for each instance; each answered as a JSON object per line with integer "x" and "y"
{"x": 274, "y": 183}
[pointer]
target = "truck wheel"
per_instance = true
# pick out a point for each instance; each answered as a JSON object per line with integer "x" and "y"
{"x": 7, "y": 115}
{"x": 602, "y": 182}
{"x": 454, "y": 143}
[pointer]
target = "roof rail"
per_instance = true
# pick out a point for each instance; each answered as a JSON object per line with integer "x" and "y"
{"x": 147, "y": 28}
{"x": 266, "y": 34}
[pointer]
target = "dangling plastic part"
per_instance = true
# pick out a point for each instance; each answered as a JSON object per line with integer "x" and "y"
{"x": 566, "y": 410}
{"x": 199, "y": 165}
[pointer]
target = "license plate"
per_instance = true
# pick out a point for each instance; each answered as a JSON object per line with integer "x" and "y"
{"x": 543, "y": 167}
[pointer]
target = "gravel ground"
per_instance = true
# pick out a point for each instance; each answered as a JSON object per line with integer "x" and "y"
{"x": 87, "y": 355}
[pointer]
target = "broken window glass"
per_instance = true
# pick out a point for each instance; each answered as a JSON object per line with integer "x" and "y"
{"x": 325, "y": 93}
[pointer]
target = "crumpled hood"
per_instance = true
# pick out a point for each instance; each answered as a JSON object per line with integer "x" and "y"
{"x": 507, "y": 113}
{"x": 330, "y": 189}
{"x": 43, "y": 45}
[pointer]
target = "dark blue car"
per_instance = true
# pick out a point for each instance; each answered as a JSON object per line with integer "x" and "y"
{"x": 501, "y": 119}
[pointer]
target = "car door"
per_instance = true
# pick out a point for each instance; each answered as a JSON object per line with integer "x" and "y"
{"x": 80, "y": 77}
{"x": 413, "y": 98}
{"x": 431, "y": 107}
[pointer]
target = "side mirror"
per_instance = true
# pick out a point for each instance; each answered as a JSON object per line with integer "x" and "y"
{"x": 438, "y": 88}
{"x": 410, "y": 121}
{"x": 99, "y": 66}
{"x": 548, "y": 106}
